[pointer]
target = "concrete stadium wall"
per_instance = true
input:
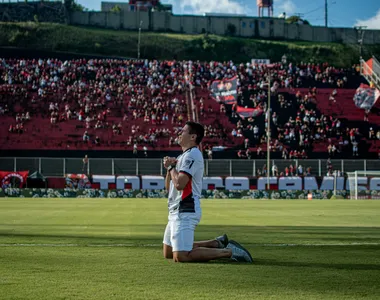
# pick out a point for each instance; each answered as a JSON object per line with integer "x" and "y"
{"x": 278, "y": 28}
{"x": 113, "y": 20}
{"x": 159, "y": 21}
{"x": 320, "y": 34}
{"x": 376, "y": 36}
{"x": 264, "y": 28}
{"x": 80, "y": 18}
{"x": 247, "y": 27}
{"x": 98, "y": 19}
{"x": 131, "y": 20}
{"x": 270, "y": 28}
{"x": 202, "y": 24}
{"x": 291, "y": 32}
{"x": 175, "y": 23}
{"x": 306, "y": 32}
{"x": 188, "y": 24}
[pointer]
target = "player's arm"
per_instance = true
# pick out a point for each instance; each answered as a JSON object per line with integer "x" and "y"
{"x": 180, "y": 179}
{"x": 168, "y": 163}
{"x": 186, "y": 172}
{"x": 167, "y": 180}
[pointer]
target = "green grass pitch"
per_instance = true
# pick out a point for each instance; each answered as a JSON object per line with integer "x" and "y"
{"x": 111, "y": 249}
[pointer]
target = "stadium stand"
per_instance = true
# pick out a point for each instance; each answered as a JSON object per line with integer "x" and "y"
{"x": 114, "y": 104}
{"x": 70, "y": 104}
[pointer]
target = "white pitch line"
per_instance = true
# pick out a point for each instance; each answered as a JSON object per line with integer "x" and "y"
{"x": 159, "y": 245}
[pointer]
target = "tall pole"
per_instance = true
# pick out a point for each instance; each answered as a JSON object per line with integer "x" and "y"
{"x": 268, "y": 133}
{"x": 361, "y": 44}
{"x": 326, "y": 14}
{"x": 361, "y": 33}
{"x": 138, "y": 46}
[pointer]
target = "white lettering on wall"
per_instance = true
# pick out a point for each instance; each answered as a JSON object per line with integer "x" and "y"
{"x": 374, "y": 184}
{"x": 153, "y": 182}
{"x": 216, "y": 181}
{"x": 290, "y": 183}
{"x": 134, "y": 181}
{"x": 262, "y": 182}
{"x": 104, "y": 180}
{"x": 240, "y": 183}
{"x": 362, "y": 183}
{"x": 237, "y": 183}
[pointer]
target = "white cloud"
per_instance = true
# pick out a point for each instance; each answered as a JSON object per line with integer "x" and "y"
{"x": 286, "y": 6}
{"x": 371, "y": 23}
{"x": 198, "y": 7}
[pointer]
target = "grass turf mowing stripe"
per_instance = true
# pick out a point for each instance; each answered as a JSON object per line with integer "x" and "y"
{"x": 158, "y": 245}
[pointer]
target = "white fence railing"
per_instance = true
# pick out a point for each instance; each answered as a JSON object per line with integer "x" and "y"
{"x": 369, "y": 73}
{"x": 58, "y": 167}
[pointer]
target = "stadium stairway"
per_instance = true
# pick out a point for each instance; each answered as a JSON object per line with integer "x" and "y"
{"x": 351, "y": 116}
{"x": 41, "y": 134}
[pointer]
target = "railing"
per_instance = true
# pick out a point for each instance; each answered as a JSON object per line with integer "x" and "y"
{"x": 369, "y": 73}
{"x": 376, "y": 63}
{"x": 58, "y": 167}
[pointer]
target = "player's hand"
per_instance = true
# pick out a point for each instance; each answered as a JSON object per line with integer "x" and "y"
{"x": 169, "y": 161}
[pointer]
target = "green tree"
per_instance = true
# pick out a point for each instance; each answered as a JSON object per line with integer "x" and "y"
{"x": 231, "y": 29}
{"x": 72, "y": 5}
{"x": 296, "y": 20}
{"x": 116, "y": 9}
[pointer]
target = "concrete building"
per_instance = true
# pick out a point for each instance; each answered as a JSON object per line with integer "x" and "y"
{"x": 136, "y": 5}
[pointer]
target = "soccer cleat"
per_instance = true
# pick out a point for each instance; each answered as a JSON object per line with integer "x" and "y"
{"x": 239, "y": 253}
{"x": 222, "y": 241}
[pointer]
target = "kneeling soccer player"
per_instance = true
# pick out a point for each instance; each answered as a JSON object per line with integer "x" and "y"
{"x": 184, "y": 182}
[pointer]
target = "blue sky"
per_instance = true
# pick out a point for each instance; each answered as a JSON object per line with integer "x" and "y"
{"x": 342, "y": 13}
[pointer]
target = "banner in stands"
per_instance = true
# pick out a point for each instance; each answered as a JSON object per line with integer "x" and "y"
{"x": 13, "y": 179}
{"x": 257, "y": 61}
{"x": 365, "y": 96}
{"x": 249, "y": 112}
{"x": 373, "y": 67}
{"x": 77, "y": 181}
{"x": 225, "y": 91}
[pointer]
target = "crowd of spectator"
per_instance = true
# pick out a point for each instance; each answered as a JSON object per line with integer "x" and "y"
{"x": 296, "y": 123}
{"x": 103, "y": 95}
{"x": 294, "y": 169}
{"x": 123, "y": 95}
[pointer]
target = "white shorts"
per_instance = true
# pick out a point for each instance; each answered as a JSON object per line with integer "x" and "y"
{"x": 179, "y": 233}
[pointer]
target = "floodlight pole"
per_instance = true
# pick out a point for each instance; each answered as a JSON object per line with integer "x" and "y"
{"x": 361, "y": 32}
{"x": 138, "y": 46}
{"x": 268, "y": 134}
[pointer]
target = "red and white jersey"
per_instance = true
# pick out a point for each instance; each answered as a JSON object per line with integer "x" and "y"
{"x": 190, "y": 163}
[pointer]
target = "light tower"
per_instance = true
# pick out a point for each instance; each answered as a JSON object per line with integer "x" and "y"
{"x": 262, "y": 4}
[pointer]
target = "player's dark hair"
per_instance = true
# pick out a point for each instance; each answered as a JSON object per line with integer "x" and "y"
{"x": 196, "y": 128}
